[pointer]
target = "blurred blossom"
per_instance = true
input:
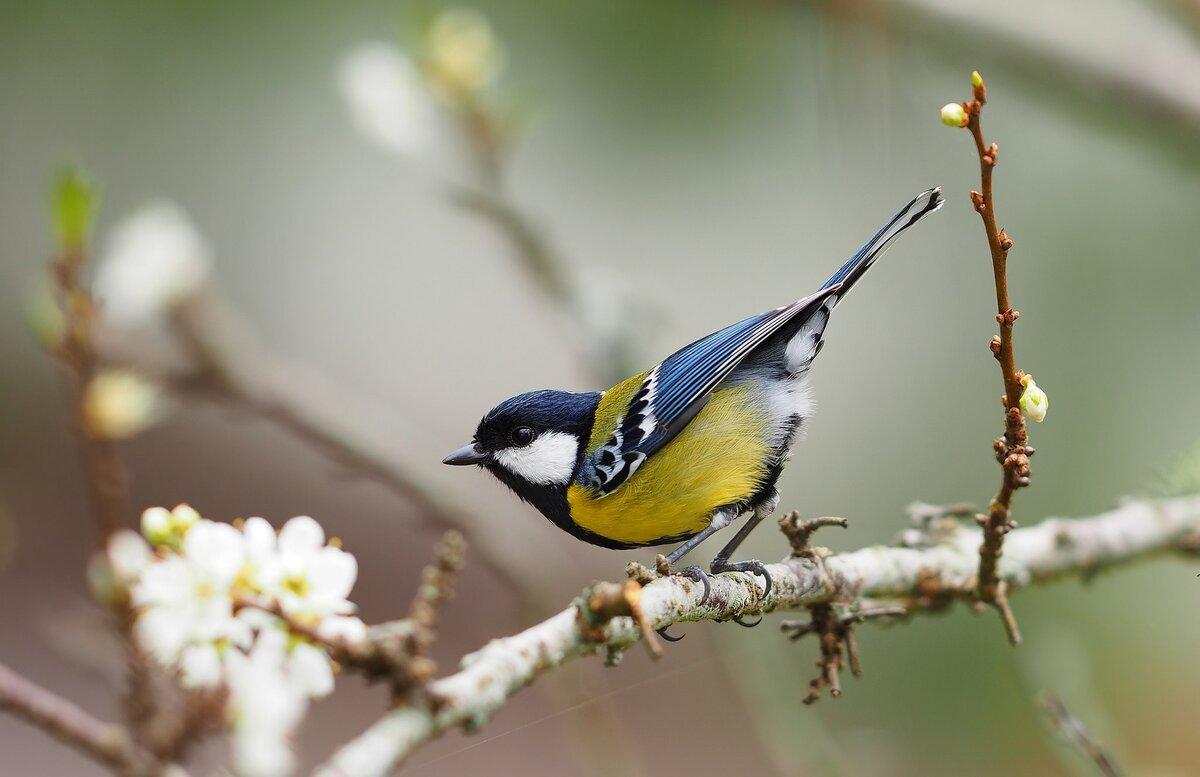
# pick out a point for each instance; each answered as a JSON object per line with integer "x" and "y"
{"x": 128, "y": 556}
{"x": 155, "y": 259}
{"x": 111, "y": 573}
{"x": 264, "y": 708}
{"x": 1034, "y": 401}
{"x": 462, "y": 54}
{"x": 119, "y": 404}
{"x": 387, "y": 99}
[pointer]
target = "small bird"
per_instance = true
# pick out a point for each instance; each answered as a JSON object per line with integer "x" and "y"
{"x": 679, "y": 452}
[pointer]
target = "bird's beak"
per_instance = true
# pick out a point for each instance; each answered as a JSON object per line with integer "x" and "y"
{"x": 468, "y": 454}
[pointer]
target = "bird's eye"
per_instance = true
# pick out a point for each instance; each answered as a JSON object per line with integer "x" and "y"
{"x": 522, "y": 436}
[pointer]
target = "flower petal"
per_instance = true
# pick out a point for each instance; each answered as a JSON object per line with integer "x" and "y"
{"x": 309, "y": 671}
{"x": 301, "y": 535}
{"x": 200, "y": 667}
{"x": 216, "y": 550}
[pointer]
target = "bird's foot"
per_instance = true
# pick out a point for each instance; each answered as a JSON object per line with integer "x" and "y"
{"x": 753, "y": 566}
{"x": 695, "y": 574}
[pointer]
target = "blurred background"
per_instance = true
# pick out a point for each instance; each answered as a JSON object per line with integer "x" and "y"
{"x": 690, "y": 163}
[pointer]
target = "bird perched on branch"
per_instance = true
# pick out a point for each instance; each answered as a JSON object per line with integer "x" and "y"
{"x": 679, "y": 452}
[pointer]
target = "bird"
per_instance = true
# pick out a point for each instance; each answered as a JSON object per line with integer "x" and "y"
{"x": 681, "y": 451}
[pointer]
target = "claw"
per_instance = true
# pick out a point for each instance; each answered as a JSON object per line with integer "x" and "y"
{"x": 754, "y": 567}
{"x": 663, "y": 633}
{"x": 698, "y": 575}
{"x": 738, "y": 620}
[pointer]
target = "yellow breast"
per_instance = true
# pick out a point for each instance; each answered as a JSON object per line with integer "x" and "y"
{"x": 718, "y": 459}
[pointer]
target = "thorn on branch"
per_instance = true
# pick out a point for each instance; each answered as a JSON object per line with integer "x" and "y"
{"x": 799, "y": 532}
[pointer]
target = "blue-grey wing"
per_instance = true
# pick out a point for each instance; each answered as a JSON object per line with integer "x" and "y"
{"x": 678, "y": 388}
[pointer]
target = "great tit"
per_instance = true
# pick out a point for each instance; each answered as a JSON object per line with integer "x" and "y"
{"x": 678, "y": 452}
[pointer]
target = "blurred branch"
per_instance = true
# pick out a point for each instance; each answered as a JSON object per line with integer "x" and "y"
{"x": 74, "y": 206}
{"x": 1064, "y": 723}
{"x": 107, "y": 743}
{"x": 1117, "y": 71}
{"x": 108, "y": 483}
{"x": 226, "y": 362}
{"x": 917, "y": 578}
{"x": 1012, "y": 451}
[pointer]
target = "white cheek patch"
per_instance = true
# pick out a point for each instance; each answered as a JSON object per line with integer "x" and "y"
{"x": 548, "y": 460}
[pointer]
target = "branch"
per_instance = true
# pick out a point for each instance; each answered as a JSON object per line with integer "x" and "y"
{"x": 107, "y": 743}
{"x": 1113, "y": 71}
{"x": 106, "y": 477}
{"x": 225, "y": 362}
{"x": 1064, "y": 723}
{"x": 1012, "y": 452}
{"x": 76, "y": 347}
{"x": 918, "y": 577}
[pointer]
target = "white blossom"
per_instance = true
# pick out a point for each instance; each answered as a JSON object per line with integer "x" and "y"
{"x": 387, "y": 98}
{"x": 309, "y": 579}
{"x": 154, "y": 259}
{"x": 128, "y": 556}
{"x": 186, "y": 599}
{"x": 264, "y": 707}
{"x": 196, "y": 603}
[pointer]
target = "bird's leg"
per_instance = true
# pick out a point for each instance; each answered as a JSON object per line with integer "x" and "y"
{"x": 721, "y": 518}
{"x": 722, "y": 563}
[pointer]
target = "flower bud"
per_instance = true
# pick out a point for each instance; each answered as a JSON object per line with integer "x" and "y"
{"x": 953, "y": 115}
{"x": 119, "y": 403}
{"x": 161, "y": 526}
{"x": 462, "y": 54}
{"x": 1034, "y": 401}
{"x": 976, "y": 79}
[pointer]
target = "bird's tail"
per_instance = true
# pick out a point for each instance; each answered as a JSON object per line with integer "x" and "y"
{"x": 923, "y": 204}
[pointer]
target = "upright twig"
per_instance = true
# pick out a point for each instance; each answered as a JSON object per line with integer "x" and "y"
{"x": 1012, "y": 451}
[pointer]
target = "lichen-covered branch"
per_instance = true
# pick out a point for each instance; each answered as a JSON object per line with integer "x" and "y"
{"x": 107, "y": 743}
{"x": 934, "y": 570}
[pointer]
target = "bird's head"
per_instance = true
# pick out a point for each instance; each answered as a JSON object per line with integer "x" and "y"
{"x": 532, "y": 442}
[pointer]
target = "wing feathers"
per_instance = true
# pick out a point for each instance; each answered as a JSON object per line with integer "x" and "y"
{"x": 678, "y": 388}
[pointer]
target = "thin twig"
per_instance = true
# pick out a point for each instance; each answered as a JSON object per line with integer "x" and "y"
{"x": 1064, "y": 723}
{"x": 1011, "y": 450}
{"x": 107, "y": 743}
{"x": 489, "y": 677}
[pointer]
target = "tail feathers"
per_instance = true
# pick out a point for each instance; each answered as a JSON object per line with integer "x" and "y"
{"x": 923, "y": 204}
